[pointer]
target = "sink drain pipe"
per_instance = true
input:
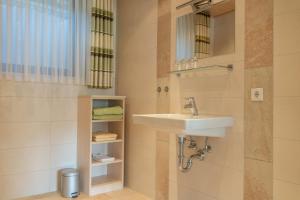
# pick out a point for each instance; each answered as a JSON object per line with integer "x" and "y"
{"x": 183, "y": 165}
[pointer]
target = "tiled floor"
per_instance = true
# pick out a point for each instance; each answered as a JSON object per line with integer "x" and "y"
{"x": 125, "y": 194}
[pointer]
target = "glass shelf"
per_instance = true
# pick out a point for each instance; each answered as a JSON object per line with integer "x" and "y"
{"x": 226, "y": 67}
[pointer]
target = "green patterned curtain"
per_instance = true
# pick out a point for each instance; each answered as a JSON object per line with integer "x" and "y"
{"x": 102, "y": 53}
{"x": 202, "y": 38}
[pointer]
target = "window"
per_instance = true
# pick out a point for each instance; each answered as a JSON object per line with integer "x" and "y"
{"x": 43, "y": 40}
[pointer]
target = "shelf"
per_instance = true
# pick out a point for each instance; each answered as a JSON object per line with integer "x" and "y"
{"x": 103, "y": 180}
{"x": 95, "y": 163}
{"x": 112, "y": 120}
{"x": 108, "y": 141}
{"x": 215, "y": 9}
{"x": 112, "y": 173}
{"x": 222, "y": 7}
{"x": 97, "y": 97}
{"x": 226, "y": 67}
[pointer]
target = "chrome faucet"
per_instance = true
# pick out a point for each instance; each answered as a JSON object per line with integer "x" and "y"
{"x": 191, "y": 103}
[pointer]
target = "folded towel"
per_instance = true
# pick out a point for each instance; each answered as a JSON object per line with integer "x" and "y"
{"x": 102, "y": 158}
{"x": 116, "y": 110}
{"x": 104, "y": 134}
{"x": 103, "y": 139}
{"x": 100, "y": 136}
{"x": 108, "y": 117}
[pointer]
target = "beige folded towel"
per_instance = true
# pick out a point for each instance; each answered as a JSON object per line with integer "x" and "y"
{"x": 104, "y": 136}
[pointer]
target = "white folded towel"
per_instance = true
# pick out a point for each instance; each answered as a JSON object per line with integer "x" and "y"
{"x": 102, "y": 158}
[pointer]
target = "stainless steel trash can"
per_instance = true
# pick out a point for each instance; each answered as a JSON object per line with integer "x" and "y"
{"x": 69, "y": 183}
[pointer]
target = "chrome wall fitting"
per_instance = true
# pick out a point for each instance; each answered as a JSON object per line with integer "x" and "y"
{"x": 184, "y": 165}
{"x": 192, "y": 143}
{"x": 191, "y": 103}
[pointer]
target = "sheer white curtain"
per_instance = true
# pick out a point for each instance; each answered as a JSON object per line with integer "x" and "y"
{"x": 44, "y": 40}
{"x": 185, "y": 37}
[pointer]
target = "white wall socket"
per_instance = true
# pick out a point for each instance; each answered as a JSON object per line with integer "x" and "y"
{"x": 257, "y": 94}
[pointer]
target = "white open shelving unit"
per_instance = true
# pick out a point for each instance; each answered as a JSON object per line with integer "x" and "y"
{"x": 100, "y": 177}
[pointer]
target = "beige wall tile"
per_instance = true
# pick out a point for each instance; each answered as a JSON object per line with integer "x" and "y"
{"x": 235, "y": 152}
{"x": 163, "y": 97}
{"x": 286, "y": 33}
{"x": 173, "y": 190}
{"x": 63, "y": 156}
{"x": 24, "y": 160}
{"x": 190, "y": 194}
{"x": 214, "y": 83}
{"x": 286, "y": 162}
{"x": 63, "y": 132}
{"x": 64, "y": 91}
{"x": 141, "y": 176}
{"x": 259, "y": 33}
{"x": 54, "y": 180}
{"x": 226, "y": 152}
{"x": 162, "y": 170}
{"x": 258, "y": 180}
{"x": 27, "y": 89}
{"x": 281, "y": 6}
{"x": 286, "y": 118}
{"x": 25, "y": 184}
{"x": 231, "y": 185}
{"x": 24, "y": 109}
{"x": 217, "y": 182}
{"x": 163, "y": 45}
{"x": 285, "y": 190}
{"x": 6, "y": 88}
{"x": 203, "y": 177}
{"x": 18, "y": 135}
{"x": 164, "y": 7}
{"x": 172, "y": 159}
{"x": 64, "y": 109}
{"x": 240, "y": 42}
{"x": 259, "y": 115}
{"x": 286, "y": 75}
{"x": 137, "y": 56}
{"x": 286, "y": 100}
{"x": 224, "y": 34}
{"x": 240, "y": 9}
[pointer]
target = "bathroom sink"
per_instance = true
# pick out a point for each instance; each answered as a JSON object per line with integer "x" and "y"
{"x": 182, "y": 124}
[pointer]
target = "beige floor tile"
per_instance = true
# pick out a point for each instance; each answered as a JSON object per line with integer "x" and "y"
{"x": 125, "y": 194}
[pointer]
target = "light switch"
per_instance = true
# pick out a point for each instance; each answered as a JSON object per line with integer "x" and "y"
{"x": 257, "y": 94}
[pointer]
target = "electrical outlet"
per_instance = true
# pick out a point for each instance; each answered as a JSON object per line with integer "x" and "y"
{"x": 257, "y": 94}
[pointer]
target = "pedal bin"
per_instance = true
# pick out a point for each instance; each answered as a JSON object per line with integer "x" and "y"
{"x": 70, "y": 183}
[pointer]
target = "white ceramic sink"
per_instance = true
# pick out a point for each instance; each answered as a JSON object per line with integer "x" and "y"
{"x": 202, "y": 125}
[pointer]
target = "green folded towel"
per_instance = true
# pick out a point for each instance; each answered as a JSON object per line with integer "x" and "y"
{"x": 116, "y": 110}
{"x": 108, "y": 117}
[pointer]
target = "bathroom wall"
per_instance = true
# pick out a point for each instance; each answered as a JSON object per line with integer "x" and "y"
{"x": 38, "y": 135}
{"x": 163, "y": 97}
{"x": 137, "y": 60}
{"x": 259, "y": 114}
{"x": 221, "y": 175}
{"x": 286, "y": 126}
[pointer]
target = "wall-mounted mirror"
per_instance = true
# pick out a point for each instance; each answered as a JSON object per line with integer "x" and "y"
{"x": 208, "y": 30}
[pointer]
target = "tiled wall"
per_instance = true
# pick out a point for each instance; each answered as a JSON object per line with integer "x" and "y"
{"x": 286, "y": 100}
{"x": 163, "y": 97}
{"x": 38, "y": 135}
{"x": 258, "y": 115}
{"x": 137, "y": 60}
{"x": 220, "y": 176}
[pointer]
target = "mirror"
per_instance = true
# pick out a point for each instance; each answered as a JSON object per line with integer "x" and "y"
{"x": 207, "y": 33}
